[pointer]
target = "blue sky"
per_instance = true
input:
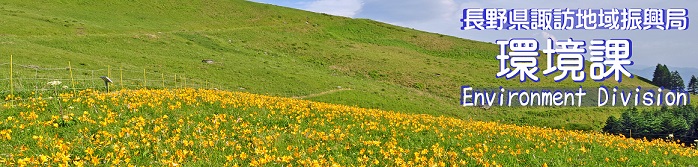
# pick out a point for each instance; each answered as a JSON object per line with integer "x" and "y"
{"x": 675, "y": 48}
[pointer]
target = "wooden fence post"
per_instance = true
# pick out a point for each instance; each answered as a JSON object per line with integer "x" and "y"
{"x": 72, "y": 80}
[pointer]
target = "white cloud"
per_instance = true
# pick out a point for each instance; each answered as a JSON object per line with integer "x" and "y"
{"x": 548, "y": 35}
{"x": 347, "y": 8}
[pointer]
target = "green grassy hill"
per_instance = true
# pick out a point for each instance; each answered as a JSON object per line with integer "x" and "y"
{"x": 267, "y": 49}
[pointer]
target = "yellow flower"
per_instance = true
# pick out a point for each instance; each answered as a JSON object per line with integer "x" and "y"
{"x": 243, "y": 155}
{"x": 79, "y": 163}
{"x": 5, "y": 134}
{"x": 43, "y": 158}
{"x": 23, "y": 161}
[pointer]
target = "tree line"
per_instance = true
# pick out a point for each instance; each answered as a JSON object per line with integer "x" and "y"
{"x": 677, "y": 123}
{"x": 663, "y": 77}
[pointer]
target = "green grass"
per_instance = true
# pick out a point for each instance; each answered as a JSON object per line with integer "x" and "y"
{"x": 266, "y": 49}
{"x": 204, "y": 127}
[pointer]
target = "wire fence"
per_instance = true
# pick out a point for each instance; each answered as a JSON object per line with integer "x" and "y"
{"x": 18, "y": 78}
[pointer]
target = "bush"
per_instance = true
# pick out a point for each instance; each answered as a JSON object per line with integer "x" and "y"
{"x": 680, "y": 122}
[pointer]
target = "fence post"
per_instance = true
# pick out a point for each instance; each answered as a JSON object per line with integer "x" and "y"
{"x": 175, "y": 82}
{"x": 163, "y": 79}
{"x": 145, "y": 82}
{"x": 121, "y": 77}
{"x": 72, "y": 81}
{"x": 12, "y": 88}
{"x": 36, "y": 84}
{"x": 93, "y": 81}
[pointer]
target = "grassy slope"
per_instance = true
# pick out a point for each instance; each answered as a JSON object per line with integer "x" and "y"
{"x": 270, "y": 50}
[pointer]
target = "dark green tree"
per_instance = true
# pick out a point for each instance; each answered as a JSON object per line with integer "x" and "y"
{"x": 676, "y": 81}
{"x": 613, "y": 125}
{"x": 661, "y": 76}
{"x": 693, "y": 85}
{"x": 681, "y": 122}
{"x": 673, "y": 125}
{"x": 630, "y": 121}
{"x": 656, "y": 75}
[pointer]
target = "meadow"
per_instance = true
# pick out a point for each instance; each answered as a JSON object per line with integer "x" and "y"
{"x": 204, "y": 127}
{"x": 285, "y": 88}
{"x": 267, "y": 49}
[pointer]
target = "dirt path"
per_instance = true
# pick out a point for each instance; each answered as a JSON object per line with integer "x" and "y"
{"x": 321, "y": 93}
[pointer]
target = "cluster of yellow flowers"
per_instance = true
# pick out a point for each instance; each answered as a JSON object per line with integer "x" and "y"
{"x": 213, "y": 127}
